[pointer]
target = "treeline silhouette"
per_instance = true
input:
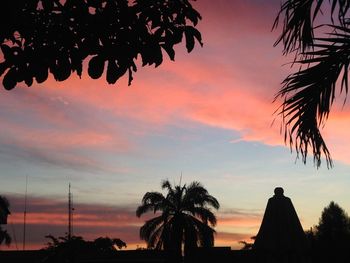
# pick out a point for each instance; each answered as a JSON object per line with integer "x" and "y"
{"x": 329, "y": 241}
{"x": 182, "y": 230}
{"x": 76, "y": 249}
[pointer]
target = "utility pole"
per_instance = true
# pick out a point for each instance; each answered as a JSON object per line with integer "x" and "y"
{"x": 70, "y": 214}
{"x": 25, "y": 215}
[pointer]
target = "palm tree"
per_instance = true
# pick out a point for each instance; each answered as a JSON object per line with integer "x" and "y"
{"x": 185, "y": 218}
{"x": 4, "y": 211}
{"x": 323, "y": 53}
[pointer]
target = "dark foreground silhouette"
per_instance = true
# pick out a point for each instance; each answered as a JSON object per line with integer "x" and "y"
{"x": 185, "y": 218}
{"x": 281, "y": 236}
{"x": 4, "y": 212}
{"x": 43, "y": 37}
{"x": 317, "y": 33}
{"x": 280, "y": 239}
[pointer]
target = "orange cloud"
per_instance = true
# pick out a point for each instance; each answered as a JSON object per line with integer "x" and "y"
{"x": 239, "y": 221}
{"x": 229, "y": 83}
{"x": 225, "y": 84}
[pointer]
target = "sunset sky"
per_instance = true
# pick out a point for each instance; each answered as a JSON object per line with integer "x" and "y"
{"x": 209, "y": 115}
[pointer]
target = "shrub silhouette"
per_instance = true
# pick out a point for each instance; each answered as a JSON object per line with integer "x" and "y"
{"x": 64, "y": 249}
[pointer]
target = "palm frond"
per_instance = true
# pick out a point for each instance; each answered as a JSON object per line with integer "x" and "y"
{"x": 142, "y": 209}
{"x": 152, "y": 197}
{"x": 298, "y": 23}
{"x": 149, "y": 230}
{"x": 309, "y": 94}
{"x": 197, "y": 195}
{"x": 205, "y": 233}
{"x": 166, "y": 185}
{"x": 297, "y": 32}
{"x": 211, "y": 201}
{"x": 155, "y": 240}
{"x": 151, "y": 201}
{"x": 205, "y": 215}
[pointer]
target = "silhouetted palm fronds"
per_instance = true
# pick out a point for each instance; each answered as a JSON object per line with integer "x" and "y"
{"x": 185, "y": 217}
{"x": 309, "y": 93}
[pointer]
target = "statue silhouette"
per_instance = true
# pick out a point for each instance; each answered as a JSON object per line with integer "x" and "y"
{"x": 280, "y": 233}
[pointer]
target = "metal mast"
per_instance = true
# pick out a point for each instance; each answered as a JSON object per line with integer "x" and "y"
{"x": 25, "y": 215}
{"x": 70, "y": 214}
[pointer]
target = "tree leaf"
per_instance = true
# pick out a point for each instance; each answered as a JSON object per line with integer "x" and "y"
{"x": 41, "y": 73}
{"x": 6, "y": 50}
{"x": 9, "y": 80}
{"x": 62, "y": 69}
{"x": 96, "y": 67}
{"x": 29, "y": 81}
{"x": 3, "y": 67}
{"x": 189, "y": 40}
{"x": 114, "y": 72}
{"x": 158, "y": 56}
{"x": 169, "y": 50}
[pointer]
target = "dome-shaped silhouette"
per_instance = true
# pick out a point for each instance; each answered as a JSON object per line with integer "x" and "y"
{"x": 280, "y": 229}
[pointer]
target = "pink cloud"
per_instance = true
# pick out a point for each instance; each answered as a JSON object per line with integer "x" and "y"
{"x": 54, "y": 139}
{"x": 208, "y": 86}
{"x": 229, "y": 83}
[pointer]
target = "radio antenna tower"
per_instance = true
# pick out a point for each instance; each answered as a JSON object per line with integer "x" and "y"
{"x": 70, "y": 214}
{"x": 25, "y": 215}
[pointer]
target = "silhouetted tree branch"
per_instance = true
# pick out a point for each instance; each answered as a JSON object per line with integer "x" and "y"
{"x": 42, "y": 37}
{"x": 247, "y": 245}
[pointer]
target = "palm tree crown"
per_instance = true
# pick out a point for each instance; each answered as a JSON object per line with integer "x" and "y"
{"x": 185, "y": 219}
